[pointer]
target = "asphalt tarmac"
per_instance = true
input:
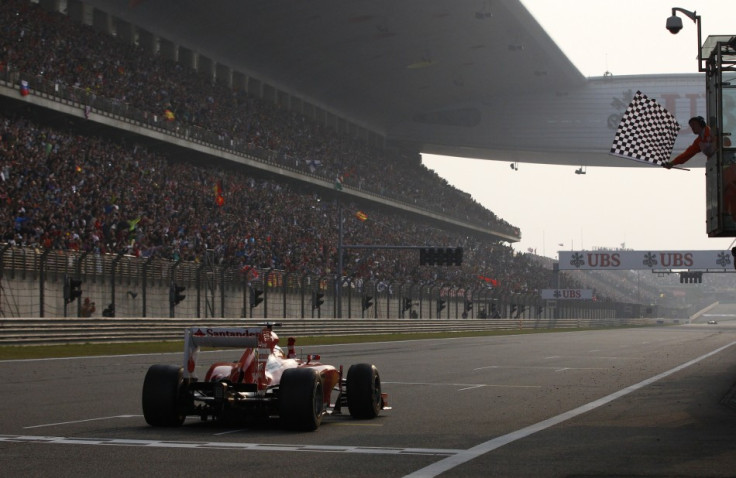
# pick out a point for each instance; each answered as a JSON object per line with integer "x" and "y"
{"x": 629, "y": 402}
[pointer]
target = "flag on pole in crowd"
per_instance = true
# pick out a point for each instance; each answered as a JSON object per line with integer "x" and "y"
{"x": 488, "y": 280}
{"x": 646, "y": 133}
{"x": 169, "y": 115}
{"x": 250, "y": 271}
{"x": 219, "y": 199}
{"x": 361, "y": 216}
{"x": 133, "y": 223}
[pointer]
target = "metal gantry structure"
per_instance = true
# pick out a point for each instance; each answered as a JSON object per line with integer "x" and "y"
{"x": 720, "y": 77}
{"x": 717, "y": 59}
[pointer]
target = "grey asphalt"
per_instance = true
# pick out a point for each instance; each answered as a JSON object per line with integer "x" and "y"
{"x": 629, "y": 402}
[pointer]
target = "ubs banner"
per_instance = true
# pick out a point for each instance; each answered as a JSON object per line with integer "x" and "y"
{"x": 653, "y": 260}
{"x": 562, "y": 294}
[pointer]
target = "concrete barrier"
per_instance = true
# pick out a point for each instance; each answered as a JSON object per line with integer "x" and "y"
{"x": 35, "y": 331}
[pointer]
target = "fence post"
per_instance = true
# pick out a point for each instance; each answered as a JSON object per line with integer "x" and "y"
{"x": 42, "y": 281}
{"x": 301, "y": 295}
{"x": 2, "y": 274}
{"x": 172, "y": 284}
{"x": 222, "y": 292}
{"x": 144, "y": 281}
{"x": 78, "y": 271}
{"x": 266, "y": 286}
{"x": 285, "y": 282}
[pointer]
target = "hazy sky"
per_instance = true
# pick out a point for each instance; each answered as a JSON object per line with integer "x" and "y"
{"x": 655, "y": 209}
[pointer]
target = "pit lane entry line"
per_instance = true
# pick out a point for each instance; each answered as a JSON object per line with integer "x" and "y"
{"x": 458, "y": 459}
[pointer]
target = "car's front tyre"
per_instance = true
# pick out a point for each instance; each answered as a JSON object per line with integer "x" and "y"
{"x": 363, "y": 388}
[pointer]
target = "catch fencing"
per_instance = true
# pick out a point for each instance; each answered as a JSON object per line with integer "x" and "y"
{"x": 32, "y": 284}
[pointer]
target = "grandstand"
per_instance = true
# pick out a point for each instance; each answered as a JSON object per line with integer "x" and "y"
{"x": 133, "y": 156}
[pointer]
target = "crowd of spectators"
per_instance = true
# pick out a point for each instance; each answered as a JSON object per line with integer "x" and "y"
{"x": 68, "y": 191}
{"x": 39, "y": 43}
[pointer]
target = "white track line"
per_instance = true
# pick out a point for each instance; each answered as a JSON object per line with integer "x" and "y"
{"x": 458, "y": 459}
{"x": 467, "y": 385}
{"x": 80, "y": 421}
{"x": 365, "y": 450}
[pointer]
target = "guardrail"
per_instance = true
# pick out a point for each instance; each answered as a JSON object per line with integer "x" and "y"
{"x": 34, "y": 331}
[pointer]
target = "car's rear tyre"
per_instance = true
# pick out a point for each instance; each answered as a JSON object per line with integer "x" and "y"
{"x": 161, "y": 397}
{"x": 363, "y": 388}
{"x": 301, "y": 398}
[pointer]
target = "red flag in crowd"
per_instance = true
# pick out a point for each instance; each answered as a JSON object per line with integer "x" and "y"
{"x": 361, "y": 216}
{"x": 219, "y": 199}
{"x": 493, "y": 282}
{"x": 250, "y": 271}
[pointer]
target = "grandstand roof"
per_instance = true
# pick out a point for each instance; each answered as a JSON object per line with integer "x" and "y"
{"x": 470, "y": 78}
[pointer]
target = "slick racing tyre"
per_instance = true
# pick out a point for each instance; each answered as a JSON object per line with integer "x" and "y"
{"x": 161, "y": 398}
{"x": 363, "y": 387}
{"x": 301, "y": 405}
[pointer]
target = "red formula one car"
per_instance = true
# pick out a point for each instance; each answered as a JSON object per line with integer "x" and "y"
{"x": 265, "y": 381}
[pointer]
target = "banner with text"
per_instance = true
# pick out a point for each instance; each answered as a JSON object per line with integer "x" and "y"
{"x": 653, "y": 260}
{"x": 562, "y": 294}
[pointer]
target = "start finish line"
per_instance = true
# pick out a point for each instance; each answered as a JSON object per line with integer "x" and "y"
{"x": 647, "y": 260}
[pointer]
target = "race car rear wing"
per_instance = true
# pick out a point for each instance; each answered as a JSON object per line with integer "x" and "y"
{"x": 236, "y": 337}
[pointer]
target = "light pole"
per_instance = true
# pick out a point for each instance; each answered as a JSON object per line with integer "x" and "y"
{"x": 674, "y": 25}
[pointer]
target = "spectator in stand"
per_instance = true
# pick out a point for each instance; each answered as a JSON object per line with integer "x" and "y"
{"x": 127, "y": 75}
{"x": 67, "y": 191}
{"x": 88, "y": 308}
{"x": 149, "y": 205}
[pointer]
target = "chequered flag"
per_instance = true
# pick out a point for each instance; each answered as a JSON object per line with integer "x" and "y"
{"x": 647, "y": 132}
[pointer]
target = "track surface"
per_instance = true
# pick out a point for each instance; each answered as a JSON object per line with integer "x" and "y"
{"x": 643, "y": 402}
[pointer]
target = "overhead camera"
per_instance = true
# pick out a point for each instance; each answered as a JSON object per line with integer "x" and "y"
{"x": 674, "y": 24}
